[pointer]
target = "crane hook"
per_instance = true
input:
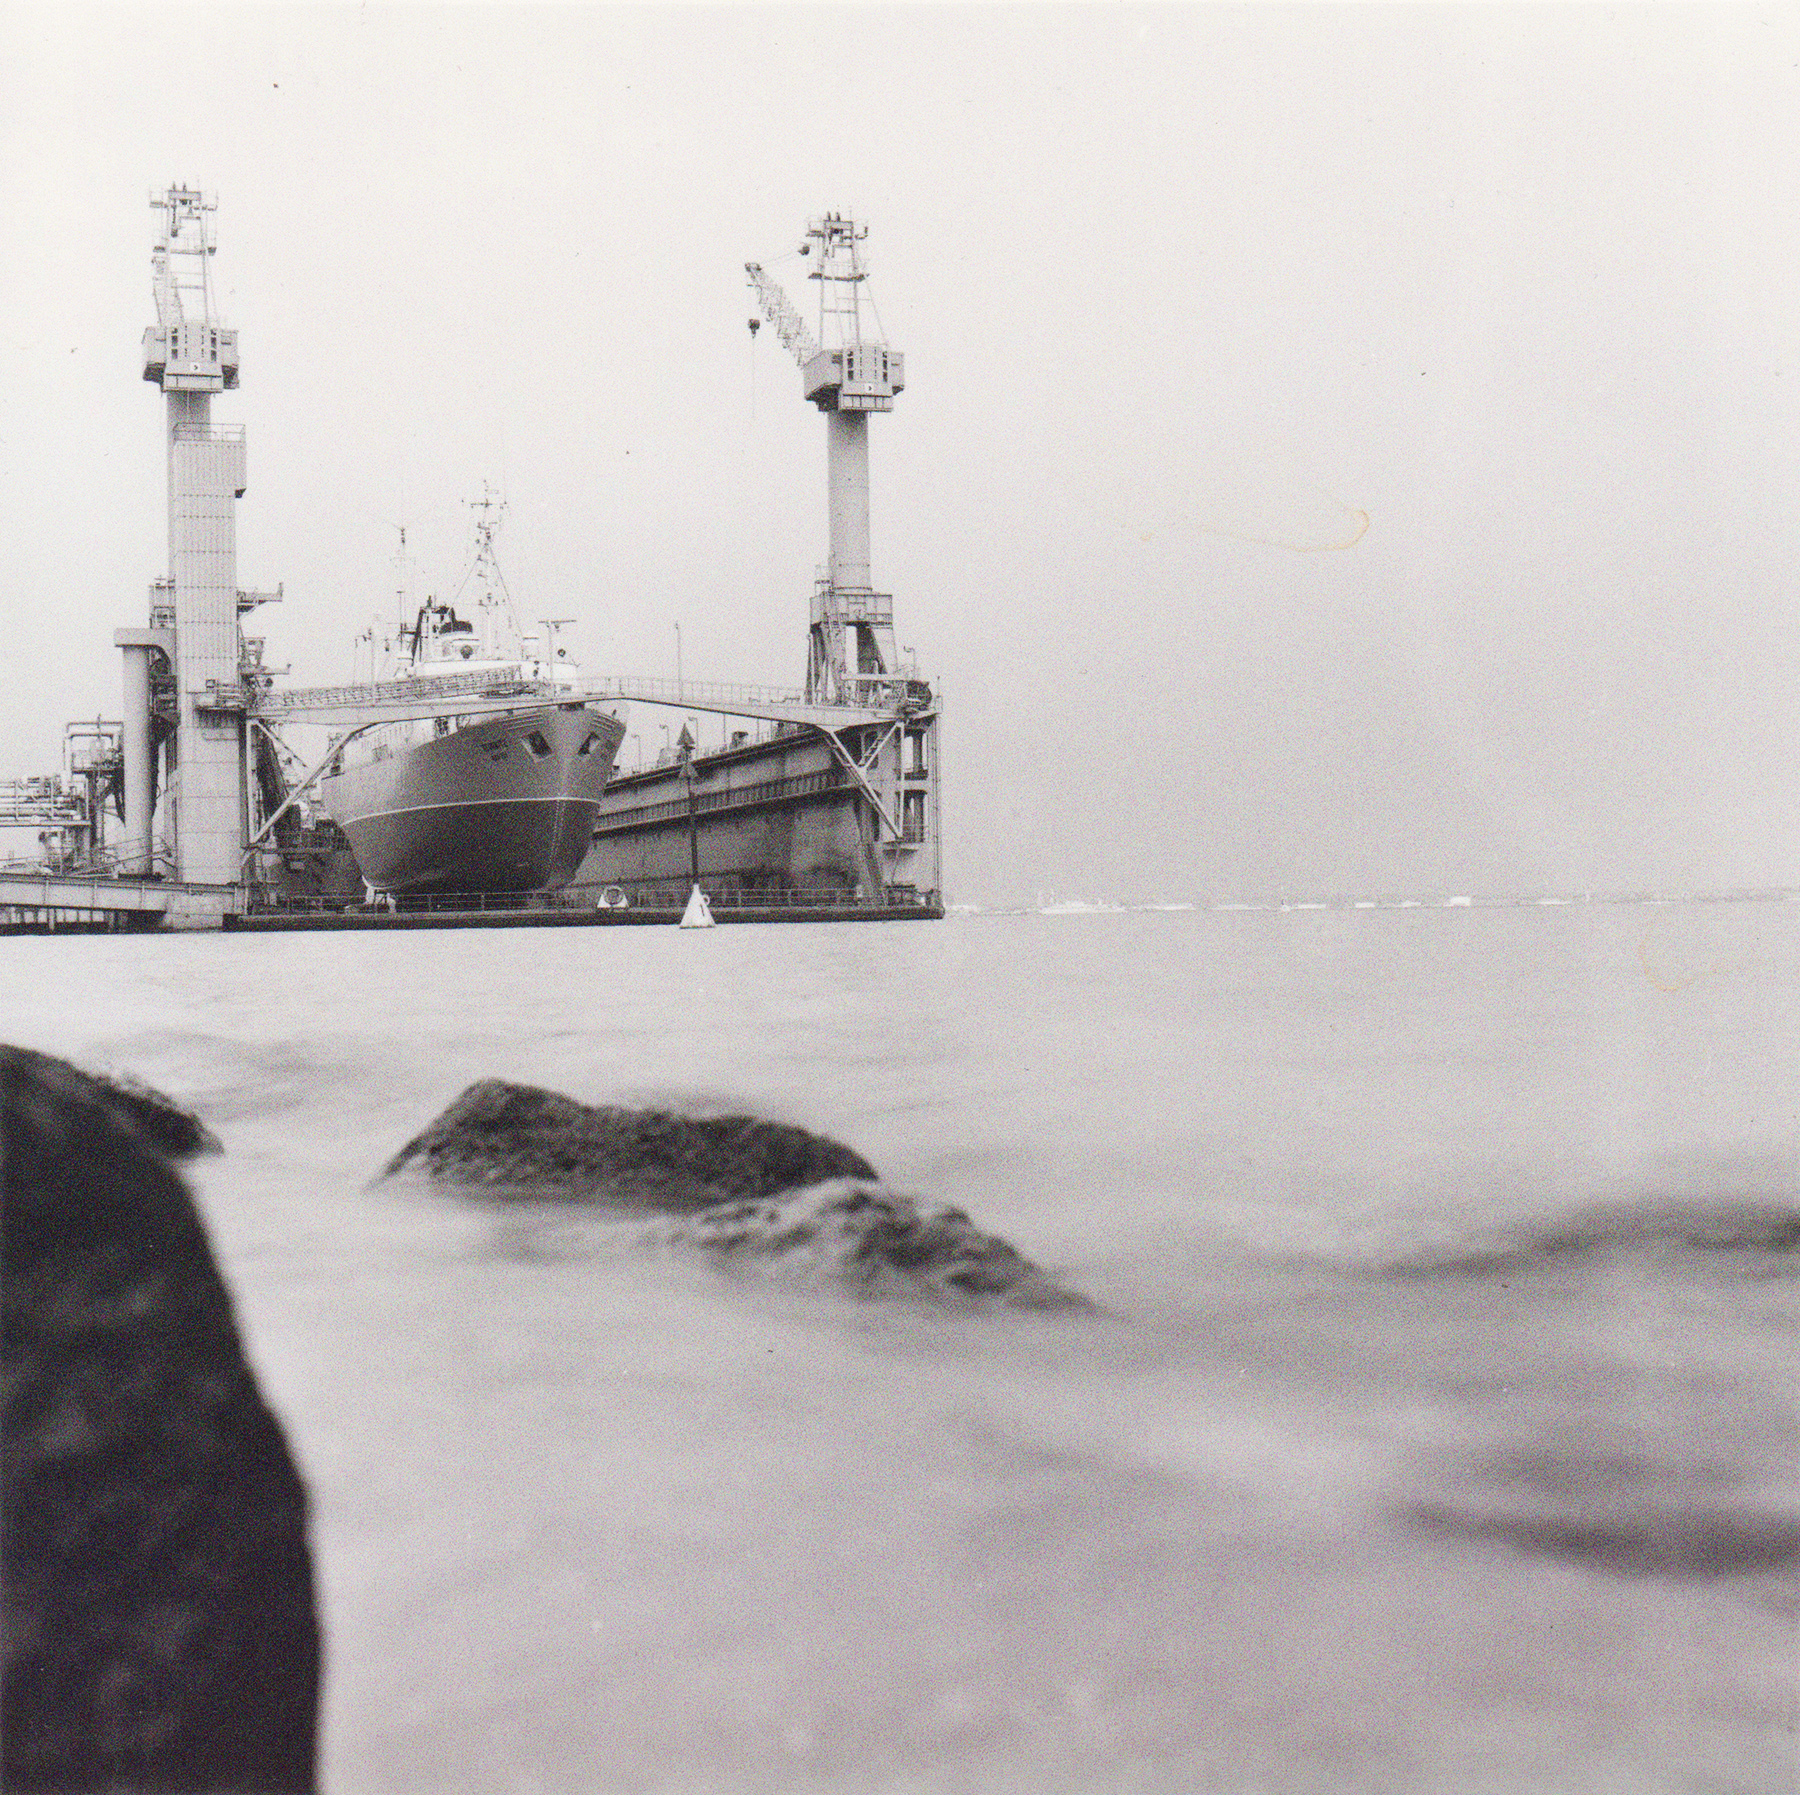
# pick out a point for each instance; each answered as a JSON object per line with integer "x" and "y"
{"x": 755, "y": 326}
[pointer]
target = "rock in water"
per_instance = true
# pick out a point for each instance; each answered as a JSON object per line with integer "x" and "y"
{"x": 517, "y": 1141}
{"x": 159, "y": 1121}
{"x": 750, "y": 1192}
{"x": 160, "y": 1632}
{"x": 877, "y": 1241}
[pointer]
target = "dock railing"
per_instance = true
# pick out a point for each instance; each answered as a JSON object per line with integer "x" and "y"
{"x": 672, "y": 894}
{"x": 657, "y": 895}
{"x": 508, "y": 688}
{"x": 724, "y": 797}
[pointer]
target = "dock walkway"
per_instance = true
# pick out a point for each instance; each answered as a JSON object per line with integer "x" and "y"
{"x": 42, "y": 903}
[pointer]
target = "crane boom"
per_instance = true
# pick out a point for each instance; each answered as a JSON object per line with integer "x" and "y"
{"x": 796, "y": 339}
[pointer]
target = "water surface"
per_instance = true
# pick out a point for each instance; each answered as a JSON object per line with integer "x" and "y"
{"x": 1437, "y": 1432}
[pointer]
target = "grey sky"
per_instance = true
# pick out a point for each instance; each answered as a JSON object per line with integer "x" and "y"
{"x": 1185, "y": 293}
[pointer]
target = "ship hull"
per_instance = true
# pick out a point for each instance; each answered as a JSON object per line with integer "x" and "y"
{"x": 503, "y": 804}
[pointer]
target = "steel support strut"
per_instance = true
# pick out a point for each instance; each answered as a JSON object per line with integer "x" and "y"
{"x": 338, "y": 744}
{"x": 848, "y": 760}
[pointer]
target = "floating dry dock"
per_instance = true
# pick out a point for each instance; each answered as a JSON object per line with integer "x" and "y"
{"x": 824, "y": 805}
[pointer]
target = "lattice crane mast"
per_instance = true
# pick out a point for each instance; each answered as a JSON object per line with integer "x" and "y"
{"x": 848, "y": 371}
{"x": 796, "y": 339}
{"x": 187, "y": 349}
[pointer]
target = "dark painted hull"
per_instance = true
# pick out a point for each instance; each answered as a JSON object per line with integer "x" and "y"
{"x": 504, "y": 804}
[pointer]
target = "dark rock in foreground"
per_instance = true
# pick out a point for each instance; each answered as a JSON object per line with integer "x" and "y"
{"x": 517, "y": 1141}
{"x": 159, "y": 1625}
{"x": 161, "y": 1123}
{"x": 875, "y": 1240}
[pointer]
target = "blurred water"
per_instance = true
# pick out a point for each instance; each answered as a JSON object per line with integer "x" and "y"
{"x": 1376, "y": 1472}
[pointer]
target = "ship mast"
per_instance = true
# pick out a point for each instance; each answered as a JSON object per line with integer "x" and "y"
{"x": 494, "y": 599}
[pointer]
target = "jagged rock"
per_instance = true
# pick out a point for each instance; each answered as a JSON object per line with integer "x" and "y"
{"x": 875, "y": 1240}
{"x": 159, "y": 1121}
{"x": 517, "y": 1141}
{"x": 159, "y": 1624}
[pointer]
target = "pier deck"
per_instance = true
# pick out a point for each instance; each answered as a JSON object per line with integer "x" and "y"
{"x": 43, "y": 902}
{"x": 538, "y": 917}
{"x": 52, "y": 903}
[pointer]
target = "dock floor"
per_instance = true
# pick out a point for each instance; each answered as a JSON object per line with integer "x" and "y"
{"x": 276, "y": 922}
{"x": 40, "y": 903}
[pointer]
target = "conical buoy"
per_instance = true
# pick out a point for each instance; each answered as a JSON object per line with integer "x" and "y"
{"x": 698, "y": 914}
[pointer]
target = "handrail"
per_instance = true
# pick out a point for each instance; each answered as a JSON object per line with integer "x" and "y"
{"x": 871, "y": 695}
{"x": 642, "y": 894}
{"x": 725, "y": 797}
{"x": 682, "y": 691}
{"x": 397, "y": 691}
{"x": 209, "y": 433}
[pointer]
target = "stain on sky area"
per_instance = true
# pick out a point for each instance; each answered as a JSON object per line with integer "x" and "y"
{"x": 1262, "y": 504}
{"x": 1356, "y": 522}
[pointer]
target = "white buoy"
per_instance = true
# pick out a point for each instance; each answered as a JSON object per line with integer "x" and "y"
{"x": 698, "y": 914}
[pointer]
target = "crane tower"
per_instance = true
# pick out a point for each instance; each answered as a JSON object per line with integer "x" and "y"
{"x": 848, "y": 371}
{"x": 191, "y": 356}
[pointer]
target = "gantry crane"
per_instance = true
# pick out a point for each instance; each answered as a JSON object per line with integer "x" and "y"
{"x": 190, "y": 355}
{"x": 848, "y": 372}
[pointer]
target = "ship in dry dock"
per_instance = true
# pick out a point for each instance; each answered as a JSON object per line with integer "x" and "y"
{"x": 477, "y": 764}
{"x": 477, "y": 801}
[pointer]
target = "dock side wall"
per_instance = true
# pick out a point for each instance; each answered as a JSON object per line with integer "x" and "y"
{"x": 779, "y": 815}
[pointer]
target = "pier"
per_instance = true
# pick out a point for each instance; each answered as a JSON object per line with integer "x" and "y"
{"x": 64, "y": 904}
{"x": 44, "y": 903}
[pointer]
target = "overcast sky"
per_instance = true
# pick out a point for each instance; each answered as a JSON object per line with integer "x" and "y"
{"x": 1346, "y": 450}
